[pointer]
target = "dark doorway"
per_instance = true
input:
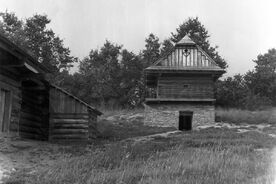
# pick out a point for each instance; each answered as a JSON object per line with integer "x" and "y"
{"x": 185, "y": 120}
{"x": 34, "y": 121}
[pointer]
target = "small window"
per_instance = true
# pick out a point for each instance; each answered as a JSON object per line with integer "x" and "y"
{"x": 186, "y": 86}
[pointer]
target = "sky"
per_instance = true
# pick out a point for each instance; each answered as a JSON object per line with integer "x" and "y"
{"x": 242, "y": 29}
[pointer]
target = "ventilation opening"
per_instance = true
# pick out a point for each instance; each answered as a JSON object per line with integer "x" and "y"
{"x": 185, "y": 120}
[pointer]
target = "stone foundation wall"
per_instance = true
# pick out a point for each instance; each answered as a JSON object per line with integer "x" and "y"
{"x": 168, "y": 114}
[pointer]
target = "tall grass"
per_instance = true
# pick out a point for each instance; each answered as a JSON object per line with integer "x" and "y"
{"x": 198, "y": 157}
{"x": 179, "y": 165}
{"x": 237, "y": 116}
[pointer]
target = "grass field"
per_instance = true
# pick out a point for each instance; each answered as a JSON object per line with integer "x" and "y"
{"x": 212, "y": 155}
{"x": 237, "y": 116}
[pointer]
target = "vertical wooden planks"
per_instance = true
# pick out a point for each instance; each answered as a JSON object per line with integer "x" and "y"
{"x": 178, "y": 57}
{"x": 190, "y": 57}
{"x": 2, "y": 108}
{"x": 181, "y": 57}
{"x": 196, "y": 58}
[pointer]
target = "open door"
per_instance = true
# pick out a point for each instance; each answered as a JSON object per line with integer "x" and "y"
{"x": 185, "y": 120}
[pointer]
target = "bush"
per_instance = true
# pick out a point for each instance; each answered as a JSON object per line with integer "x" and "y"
{"x": 256, "y": 102}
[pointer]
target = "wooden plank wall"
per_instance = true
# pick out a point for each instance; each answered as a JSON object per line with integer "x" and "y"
{"x": 61, "y": 102}
{"x": 195, "y": 58}
{"x": 185, "y": 87}
{"x": 34, "y": 122}
{"x": 12, "y": 84}
{"x": 69, "y": 118}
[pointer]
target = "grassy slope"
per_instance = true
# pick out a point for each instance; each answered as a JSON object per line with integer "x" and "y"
{"x": 205, "y": 156}
{"x": 237, "y": 116}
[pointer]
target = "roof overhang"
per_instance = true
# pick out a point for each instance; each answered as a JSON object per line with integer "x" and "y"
{"x": 153, "y": 72}
{"x": 162, "y": 69}
{"x": 24, "y": 59}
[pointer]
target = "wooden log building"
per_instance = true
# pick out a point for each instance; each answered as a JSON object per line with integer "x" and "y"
{"x": 31, "y": 107}
{"x": 181, "y": 87}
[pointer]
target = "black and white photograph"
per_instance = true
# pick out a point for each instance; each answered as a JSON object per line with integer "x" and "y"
{"x": 137, "y": 92}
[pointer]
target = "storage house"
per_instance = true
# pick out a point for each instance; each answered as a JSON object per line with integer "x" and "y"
{"x": 181, "y": 87}
{"x": 31, "y": 107}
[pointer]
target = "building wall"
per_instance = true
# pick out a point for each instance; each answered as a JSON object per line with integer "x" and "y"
{"x": 12, "y": 85}
{"x": 34, "y": 122}
{"x": 69, "y": 119}
{"x": 168, "y": 114}
{"x": 185, "y": 87}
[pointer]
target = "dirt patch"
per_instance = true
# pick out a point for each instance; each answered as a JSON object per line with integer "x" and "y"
{"x": 243, "y": 128}
{"x": 6, "y": 167}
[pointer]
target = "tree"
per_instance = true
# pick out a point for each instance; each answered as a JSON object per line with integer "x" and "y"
{"x": 101, "y": 73}
{"x": 200, "y": 35}
{"x": 262, "y": 80}
{"x": 42, "y": 43}
{"x": 152, "y": 50}
{"x": 131, "y": 84}
{"x": 231, "y": 91}
{"x": 167, "y": 46}
{"x": 112, "y": 76}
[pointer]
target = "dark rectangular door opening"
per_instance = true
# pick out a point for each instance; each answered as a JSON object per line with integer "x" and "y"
{"x": 185, "y": 120}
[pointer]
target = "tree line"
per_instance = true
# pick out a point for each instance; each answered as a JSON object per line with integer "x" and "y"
{"x": 112, "y": 76}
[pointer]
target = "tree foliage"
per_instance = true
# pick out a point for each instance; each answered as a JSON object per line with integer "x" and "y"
{"x": 254, "y": 90}
{"x": 152, "y": 49}
{"x": 42, "y": 43}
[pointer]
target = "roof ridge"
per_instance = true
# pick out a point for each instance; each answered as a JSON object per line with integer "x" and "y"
{"x": 186, "y": 40}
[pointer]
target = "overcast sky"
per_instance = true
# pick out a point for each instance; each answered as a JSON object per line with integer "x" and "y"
{"x": 241, "y": 28}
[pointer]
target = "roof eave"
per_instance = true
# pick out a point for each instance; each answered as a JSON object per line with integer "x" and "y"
{"x": 12, "y": 48}
{"x": 156, "y": 69}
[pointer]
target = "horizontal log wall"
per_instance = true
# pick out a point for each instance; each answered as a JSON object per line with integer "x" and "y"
{"x": 185, "y": 87}
{"x": 69, "y": 126}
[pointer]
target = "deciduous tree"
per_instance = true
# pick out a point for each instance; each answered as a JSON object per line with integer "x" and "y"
{"x": 41, "y": 42}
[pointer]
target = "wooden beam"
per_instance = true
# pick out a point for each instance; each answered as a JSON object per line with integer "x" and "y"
{"x": 11, "y": 50}
{"x": 180, "y": 100}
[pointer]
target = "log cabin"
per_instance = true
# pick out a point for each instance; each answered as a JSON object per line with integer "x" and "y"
{"x": 181, "y": 87}
{"x": 31, "y": 107}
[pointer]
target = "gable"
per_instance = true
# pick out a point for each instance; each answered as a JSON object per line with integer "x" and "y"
{"x": 187, "y": 56}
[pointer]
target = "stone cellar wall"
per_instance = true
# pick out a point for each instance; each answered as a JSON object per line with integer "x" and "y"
{"x": 168, "y": 114}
